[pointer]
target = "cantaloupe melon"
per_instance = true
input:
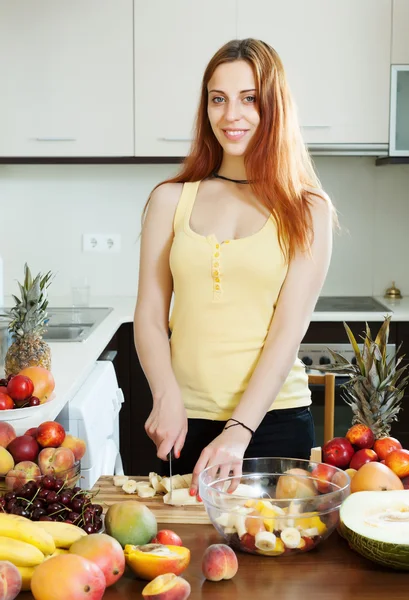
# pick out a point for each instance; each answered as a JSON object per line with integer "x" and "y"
{"x": 376, "y": 525}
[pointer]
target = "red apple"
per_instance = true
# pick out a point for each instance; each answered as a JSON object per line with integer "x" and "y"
{"x": 50, "y": 434}
{"x": 24, "y": 447}
{"x": 32, "y": 431}
{"x": 362, "y": 457}
{"x": 20, "y": 388}
{"x": 385, "y": 445}
{"x": 360, "y": 436}
{"x": 6, "y": 402}
{"x": 405, "y": 482}
{"x": 398, "y": 461}
{"x": 338, "y": 452}
{"x": 323, "y": 475}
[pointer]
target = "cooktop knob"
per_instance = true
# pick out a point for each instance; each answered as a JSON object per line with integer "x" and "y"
{"x": 307, "y": 360}
{"x": 324, "y": 360}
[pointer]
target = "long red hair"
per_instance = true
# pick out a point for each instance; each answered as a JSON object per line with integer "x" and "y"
{"x": 276, "y": 160}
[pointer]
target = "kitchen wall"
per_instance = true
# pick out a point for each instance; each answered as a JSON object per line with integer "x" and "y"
{"x": 45, "y": 209}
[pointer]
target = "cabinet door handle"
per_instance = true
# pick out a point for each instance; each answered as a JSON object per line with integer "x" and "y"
{"x": 55, "y": 139}
{"x": 175, "y": 139}
{"x": 316, "y": 126}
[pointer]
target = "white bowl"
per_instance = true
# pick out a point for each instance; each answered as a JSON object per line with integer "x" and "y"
{"x": 15, "y": 414}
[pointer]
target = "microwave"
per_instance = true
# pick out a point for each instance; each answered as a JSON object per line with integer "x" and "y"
{"x": 399, "y": 111}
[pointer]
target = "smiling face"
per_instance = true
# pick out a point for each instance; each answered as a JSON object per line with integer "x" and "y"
{"x": 232, "y": 106}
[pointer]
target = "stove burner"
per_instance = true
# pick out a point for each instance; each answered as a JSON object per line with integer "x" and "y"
{"x": 349, "y": 304}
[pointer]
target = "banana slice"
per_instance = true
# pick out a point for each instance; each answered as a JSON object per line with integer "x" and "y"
{"x": 119, "y": 480}
{"x": 181, "y": 497}
{"x": 146, "y": 492}
{"x": 310, "y": 532}
{"x": 226, "y": 519}
{"x": 155, "y": 481}
{"x": 265, "y": 540}
{"x": 240, "y": 525}
{"x": 294, "y": 509}
{"x": 291, "y": 537}
{"x": 187, "y": 479}
{"x": 129, "y": 487}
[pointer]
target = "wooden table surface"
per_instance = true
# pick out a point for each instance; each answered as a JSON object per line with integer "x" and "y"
{"x": 330, "y": 572}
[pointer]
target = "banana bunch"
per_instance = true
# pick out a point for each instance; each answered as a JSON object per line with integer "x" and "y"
{"x": 27, "y": 543}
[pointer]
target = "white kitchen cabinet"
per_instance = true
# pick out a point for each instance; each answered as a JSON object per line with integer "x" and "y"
{"x": 400, "y": 32}
{"x": 174, "y": 41}
{"x": 337, "y": 58}
{"x": 67, "y": 78}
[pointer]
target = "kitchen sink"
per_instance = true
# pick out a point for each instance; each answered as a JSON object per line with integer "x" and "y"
{"x": 73, "y": 324}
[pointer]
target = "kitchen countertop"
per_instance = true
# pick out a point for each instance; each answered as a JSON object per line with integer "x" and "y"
{"x": 331, "y": 571}
{"x": 73, "y": 361}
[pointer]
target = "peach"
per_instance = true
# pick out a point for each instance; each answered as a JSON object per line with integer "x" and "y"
{"x": 68, "y": 576}
{"x": 10, "y": 580}
{"x": 398, "y": 461}
{"x": 385, "y": 445}
{"x": 32, "y": 431}
{"x": 6, "y": 461}
{"x": 104, "y": 551}
{"x": 362, "y": 457}
{"x": 167, "y": 587}
{"x": 323, "y": 475}
{"x": 7, "y": 434}
{"x": 53, "y": 461}
{"x": 50, "y": 434}
{"x": 22, "y": 472}
{"x": 360, "y": 436}
{"x": 75, "y": 444}
{"x": 43, "y": 381}
{"x": 295, "y": 483}
{"x": 219, "y": 562}
{"x": 254, "y": 523}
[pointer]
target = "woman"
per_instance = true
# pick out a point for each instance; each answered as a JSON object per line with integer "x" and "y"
{"x": 242, "y": 237}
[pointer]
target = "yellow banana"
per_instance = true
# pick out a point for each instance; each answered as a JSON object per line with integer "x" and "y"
{"x": 63, "y": 534}
{"x": 57, "y": 552}
{"x": 26, "y": 575}
{"x": 24, "y": 530}
{"x": 20, "y": 553}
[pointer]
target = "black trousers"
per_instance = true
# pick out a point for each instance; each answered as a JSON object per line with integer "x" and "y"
{"x": 285, "y": 433}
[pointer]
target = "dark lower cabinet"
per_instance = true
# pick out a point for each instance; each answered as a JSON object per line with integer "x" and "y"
{"x": 138, "y": 451}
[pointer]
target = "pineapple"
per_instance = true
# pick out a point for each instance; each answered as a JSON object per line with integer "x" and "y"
{"x": 27, "y": 321}
{"x": 375, "y": 388}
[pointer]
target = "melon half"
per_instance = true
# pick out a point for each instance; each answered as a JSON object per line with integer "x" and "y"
{"x": 376, "y": 525}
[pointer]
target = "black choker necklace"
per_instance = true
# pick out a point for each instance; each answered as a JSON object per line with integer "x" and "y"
{"x": 214, "y": 174}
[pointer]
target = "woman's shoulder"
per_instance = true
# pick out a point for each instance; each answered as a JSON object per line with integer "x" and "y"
{"x": 166, "y": 194}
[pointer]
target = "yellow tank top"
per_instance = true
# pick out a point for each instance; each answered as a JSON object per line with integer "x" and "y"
{"x": 224, "y": 300}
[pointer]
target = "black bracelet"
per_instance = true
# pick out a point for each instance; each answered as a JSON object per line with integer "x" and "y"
{"x": 239, "y": 423}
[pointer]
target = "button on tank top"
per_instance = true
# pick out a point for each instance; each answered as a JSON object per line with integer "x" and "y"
{"x": 225, "y": 294}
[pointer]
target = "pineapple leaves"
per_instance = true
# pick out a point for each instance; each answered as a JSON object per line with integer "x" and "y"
{"x": 356, "y": 349}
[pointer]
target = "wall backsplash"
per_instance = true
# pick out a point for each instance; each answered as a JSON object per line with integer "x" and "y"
{"x": 45, "y": 209}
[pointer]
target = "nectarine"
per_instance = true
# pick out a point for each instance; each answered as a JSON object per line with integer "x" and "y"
{"x": 295, "y": 483}
{"x": 76, "y": 445}
{"x": 398, "y": 461}
{"x": 53, "y": 461}
{"x": 360, "y": 436}
{"x": 43, "y": 381}
{"x": 362, "y": 457}
{"x": 7, "y": 433}
{"x": 10, "y": 580}
{"x": 50, "y": 434}
{"x": 21, "y": 473}
{"x": 385, "y": 445}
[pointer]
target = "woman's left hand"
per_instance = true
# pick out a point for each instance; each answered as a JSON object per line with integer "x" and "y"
{"x": 228, "y": 448}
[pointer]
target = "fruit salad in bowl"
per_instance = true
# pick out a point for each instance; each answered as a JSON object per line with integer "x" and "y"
{"x": 278, "y": 506}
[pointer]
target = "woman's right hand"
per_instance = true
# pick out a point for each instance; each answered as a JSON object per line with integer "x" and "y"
{"x": 167, "y": 425}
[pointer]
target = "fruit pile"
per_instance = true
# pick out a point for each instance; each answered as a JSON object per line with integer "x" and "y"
{"x": 30, "y": 387}
{"x": 51, "y": 500}
{"x": 43, "y": 450}
{"x": 373, "y": 464}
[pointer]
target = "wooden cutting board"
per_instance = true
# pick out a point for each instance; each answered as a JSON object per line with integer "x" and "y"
{"x": 108, "y": 494}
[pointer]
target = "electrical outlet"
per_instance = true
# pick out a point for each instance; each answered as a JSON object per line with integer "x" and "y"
{"x": 101, "y": 242}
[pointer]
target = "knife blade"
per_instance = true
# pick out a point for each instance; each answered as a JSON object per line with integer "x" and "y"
{"x": 170, "y": 456}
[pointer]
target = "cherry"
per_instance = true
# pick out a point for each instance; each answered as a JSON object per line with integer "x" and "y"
{"x": 88, "y": 528}
{"x": 34, "y": 401}
{"x": 55, "y": 507}
{"x": 10, "y": 496}
{"x": 59, "y": 483}
{"x": 73, "y": 516}
{"x": 37, "y": 513}
{"x": 2, "y": 502}
{"x": 98, "y": 509}
{"x": 64, "y": 498}
{"x": 48, "y": 482}
{"x": 11, "y": 504}
{"x": 52, "y": 497}
{"x": 77, "y": 504}
{"x": 76, "y": 489}
{"x": 43, "y": 493}
{"x": 45, "y": 518}
{"x": 37, "y": 503}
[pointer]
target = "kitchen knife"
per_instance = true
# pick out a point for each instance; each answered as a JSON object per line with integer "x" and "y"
{"x": 170, "y": 456}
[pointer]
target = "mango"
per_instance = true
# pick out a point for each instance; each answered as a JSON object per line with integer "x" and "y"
{"x": 151, "y": 560}
{"x": 167, "y": 587}
{"x": 131, "y": 522}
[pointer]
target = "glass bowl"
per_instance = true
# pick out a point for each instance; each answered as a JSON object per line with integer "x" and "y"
{"x": 280, "y": 506}
{"x": 69, "y": 477}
